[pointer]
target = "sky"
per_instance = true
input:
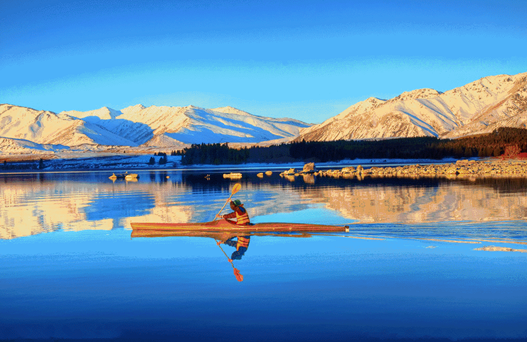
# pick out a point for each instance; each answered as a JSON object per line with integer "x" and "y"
{"x": 307, "y": 60}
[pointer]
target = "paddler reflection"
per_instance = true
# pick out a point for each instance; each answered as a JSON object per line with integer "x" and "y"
{"x": 237, "y": 236}
{"x": 241, "y": 244}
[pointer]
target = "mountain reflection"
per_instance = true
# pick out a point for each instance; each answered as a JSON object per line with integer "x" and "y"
{"x": 37, "y": 203}
{"x": 413, "y": 204}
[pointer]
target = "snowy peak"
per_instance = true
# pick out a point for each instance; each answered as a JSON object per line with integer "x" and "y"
{"x": 137, "y": 107}
{"x": 369, "y": 104}
{"x": 103, "y": 113}
{"x": 230, "y": 110}
{"x": 417, "y": 94}
{"x": 159, "y": 119}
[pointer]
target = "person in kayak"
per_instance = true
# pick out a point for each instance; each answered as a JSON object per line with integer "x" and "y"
{"x": 239, "y": 212}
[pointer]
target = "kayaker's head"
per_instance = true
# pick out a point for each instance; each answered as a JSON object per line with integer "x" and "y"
{"x": 236, "y": 203}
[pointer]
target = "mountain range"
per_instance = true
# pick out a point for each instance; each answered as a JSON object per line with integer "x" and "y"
{"x": 478, "y": 107}
{"x": 26, "y": 130}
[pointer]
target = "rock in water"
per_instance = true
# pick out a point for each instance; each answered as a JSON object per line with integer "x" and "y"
{"x": 309, "y": 168}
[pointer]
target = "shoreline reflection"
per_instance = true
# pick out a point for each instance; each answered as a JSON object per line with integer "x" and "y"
{"x": 38, "y": 203}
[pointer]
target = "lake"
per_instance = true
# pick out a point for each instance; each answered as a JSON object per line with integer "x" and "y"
{"x": 424, "y": 259}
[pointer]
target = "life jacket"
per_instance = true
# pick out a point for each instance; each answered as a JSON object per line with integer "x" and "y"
{"x": 242, "y": 242}
{"x": 243, "y": 218}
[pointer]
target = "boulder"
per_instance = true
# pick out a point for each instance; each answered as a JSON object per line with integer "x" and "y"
{"x": 309, "y": 168}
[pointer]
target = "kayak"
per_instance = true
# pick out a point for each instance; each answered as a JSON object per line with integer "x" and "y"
{"x": 225, "y": 226}
{"x": 218, "y": 235}
{"x": 231, "y": 226}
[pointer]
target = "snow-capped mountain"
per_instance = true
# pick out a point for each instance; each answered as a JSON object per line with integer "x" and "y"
{"x": 136, "y": 126}
{"x": 478, "y": 107}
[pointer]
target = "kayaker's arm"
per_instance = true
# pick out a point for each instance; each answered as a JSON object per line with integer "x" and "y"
{"x": 228, "y": 216}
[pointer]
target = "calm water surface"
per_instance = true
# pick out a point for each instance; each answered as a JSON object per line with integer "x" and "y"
{"x": 424, "y": 259}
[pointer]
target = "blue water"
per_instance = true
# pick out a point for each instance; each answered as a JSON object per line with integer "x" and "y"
{"x": 69, "y": 269}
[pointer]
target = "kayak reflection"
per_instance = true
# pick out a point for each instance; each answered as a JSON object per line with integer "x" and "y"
{"x": 233, "y": 235}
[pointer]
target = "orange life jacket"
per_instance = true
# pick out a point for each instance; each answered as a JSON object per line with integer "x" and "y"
{"x": 242, "y": 242}
{"x": 243, "y": 218}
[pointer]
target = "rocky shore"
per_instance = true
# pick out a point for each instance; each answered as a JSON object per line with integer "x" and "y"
{"x": 462, "y": 169}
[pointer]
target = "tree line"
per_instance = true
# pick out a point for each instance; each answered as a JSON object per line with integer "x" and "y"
{"x": 213, "y": 154}
{"x": 31, "y": 165}
{"x": 502, "y": 141}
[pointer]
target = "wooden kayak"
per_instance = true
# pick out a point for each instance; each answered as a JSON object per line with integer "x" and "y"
{"x": 225, "y": 226}
{"x": 218, "y": 235}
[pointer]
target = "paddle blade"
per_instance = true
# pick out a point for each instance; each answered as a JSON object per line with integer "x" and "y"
{"x": 236, "y": 188}
{"x": 239, "y": 277}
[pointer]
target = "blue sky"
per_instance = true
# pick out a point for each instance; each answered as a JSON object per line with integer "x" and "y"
{"x": 307, "y": 60}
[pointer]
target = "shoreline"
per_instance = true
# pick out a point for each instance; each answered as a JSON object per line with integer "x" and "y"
{"x": 123, "y": 162}
{"x": 360, "y": 168}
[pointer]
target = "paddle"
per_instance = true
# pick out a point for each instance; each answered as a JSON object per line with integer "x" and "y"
{"x": 235, "y": 189}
